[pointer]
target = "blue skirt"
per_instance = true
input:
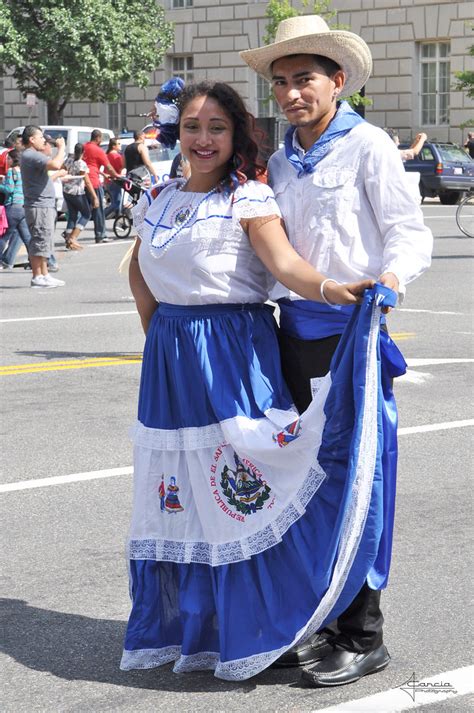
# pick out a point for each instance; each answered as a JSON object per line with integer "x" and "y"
{"x": 252, "y": 526}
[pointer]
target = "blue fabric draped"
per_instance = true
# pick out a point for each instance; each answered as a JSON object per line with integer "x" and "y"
{"x": 305, "y": 319}
{"x": 343, "y": 121}
{"x": 237, "y": 618}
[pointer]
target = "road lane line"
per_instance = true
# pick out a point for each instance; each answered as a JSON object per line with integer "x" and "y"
{"x": 68, "y": 316}
{"x": 63, "y": 479}
{"x": 435, "y": 427}
{"x": 58, "y": 365}
{"x": 447, "y": 685}
{"x": 110, "y": 473}
{"x": 437, "y": 362}
{"x": 428, "y": 311}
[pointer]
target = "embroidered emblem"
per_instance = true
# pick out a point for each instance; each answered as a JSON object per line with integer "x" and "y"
{"x": 244, "y": 487}
{"x": 289, "y": 433}
{"x": 169, "y": 500}
{"x": 182, "y": 216}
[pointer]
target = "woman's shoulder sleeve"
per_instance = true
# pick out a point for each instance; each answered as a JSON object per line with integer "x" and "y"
{"x": 254, "y": 199}
{"x": 140, "y": 210}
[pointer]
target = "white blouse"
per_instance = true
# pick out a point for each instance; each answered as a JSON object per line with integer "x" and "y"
{"x": 193, "y": 249}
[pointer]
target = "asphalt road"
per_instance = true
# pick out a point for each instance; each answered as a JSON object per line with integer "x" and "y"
{"x": 70, "y": 372}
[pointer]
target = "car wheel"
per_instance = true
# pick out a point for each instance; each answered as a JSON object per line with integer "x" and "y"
{"x": 449, "y": 197}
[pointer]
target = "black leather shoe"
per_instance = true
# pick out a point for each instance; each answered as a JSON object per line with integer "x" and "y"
{"x": 342, "y": 667}
{"x": 304, "y": 654}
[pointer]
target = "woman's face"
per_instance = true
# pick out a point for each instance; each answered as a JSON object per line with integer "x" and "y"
{"x": 206, "y": 137}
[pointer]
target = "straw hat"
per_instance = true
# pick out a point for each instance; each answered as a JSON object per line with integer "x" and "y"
{"x": 310, "y": 34}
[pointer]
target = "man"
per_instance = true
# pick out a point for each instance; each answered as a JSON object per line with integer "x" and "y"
{"x": 40, "y": 202}
{"x": 96, "y": 158}
{"x": 340, "y": 185}
{"x": 413, "y": 150}
{"x": 469, "y": 144}
{"x": 136, "y": 156}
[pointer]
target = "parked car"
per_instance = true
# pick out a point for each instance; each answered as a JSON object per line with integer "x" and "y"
{"x": 72, "y": 134}
{"x": 445, "y": 169}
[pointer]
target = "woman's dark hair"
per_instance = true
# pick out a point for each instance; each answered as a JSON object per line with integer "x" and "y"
{"x": 244, "y": 164}
{"x": 78, "y": 151}
{"x": 14, "y": 157}
{"x": 113, "y": 143}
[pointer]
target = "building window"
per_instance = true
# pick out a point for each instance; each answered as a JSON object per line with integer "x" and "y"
{"x": 265, "y": 101}
{"x": 176, "y": 4}
{"x": 117, "y": 112}
{"x": 435, "y": 71}
{"x": 183, "y": 67}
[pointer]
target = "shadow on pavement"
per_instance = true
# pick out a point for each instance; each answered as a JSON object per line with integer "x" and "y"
{"x": 79, "y": 648}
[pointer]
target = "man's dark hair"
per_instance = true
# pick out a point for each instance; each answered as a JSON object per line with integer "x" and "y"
{"x": 328, "y": 66}
{"x": 137, "y": 134}
{"x": 96, "y": 134}
{"x": 28, "y": 132}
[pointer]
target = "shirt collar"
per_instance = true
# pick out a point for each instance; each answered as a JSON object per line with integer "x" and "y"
{"x": 297, "y": 146}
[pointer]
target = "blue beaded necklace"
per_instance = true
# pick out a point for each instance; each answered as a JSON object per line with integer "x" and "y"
{"x": 182, "y": 220}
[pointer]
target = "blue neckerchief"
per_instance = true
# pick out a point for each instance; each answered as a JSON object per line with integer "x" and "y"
{"x": 343, "y": 121}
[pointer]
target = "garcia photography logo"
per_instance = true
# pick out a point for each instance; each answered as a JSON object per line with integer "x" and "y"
{"x": 413, "y": 687}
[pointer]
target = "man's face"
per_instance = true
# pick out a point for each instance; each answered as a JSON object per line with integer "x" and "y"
{"x": 302, "y": 89}
{"x": 37, "y": 140}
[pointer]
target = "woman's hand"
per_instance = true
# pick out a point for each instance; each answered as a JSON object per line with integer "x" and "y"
{"x": 346, "y": 294}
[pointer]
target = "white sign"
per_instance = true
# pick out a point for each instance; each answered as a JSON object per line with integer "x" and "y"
{"x": 31, "y": 100}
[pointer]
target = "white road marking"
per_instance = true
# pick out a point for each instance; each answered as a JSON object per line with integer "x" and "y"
{"x": 436, "y": 362}
{"x": 414, "y": 377}
{"x": 428, "y": 311}
{"x": 68, "y": 316}
{"x": 112, "y": 472}
{"x": 459, "y": 682}
{"x": 408, "y": 430}
{"x": 63, "y": 479}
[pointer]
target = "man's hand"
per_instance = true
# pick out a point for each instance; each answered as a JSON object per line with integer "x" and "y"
{"x": 389, "y": 279}
{"x": 60, "y": 142}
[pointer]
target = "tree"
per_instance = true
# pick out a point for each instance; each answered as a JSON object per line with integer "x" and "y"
{"x": 81, "y": 49}
{"x": 278, "y": 10}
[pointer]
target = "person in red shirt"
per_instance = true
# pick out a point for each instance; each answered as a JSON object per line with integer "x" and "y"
{"x": 113, "y": 189}
{"x": 14, "y": 142}
{"x": 95, "y": 159}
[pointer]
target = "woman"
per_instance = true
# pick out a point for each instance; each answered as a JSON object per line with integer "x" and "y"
{"x": 114, "y": 190}
{"x": 229, "y": 579}
{"x": 12, "y": 188}
{"x": 75, "y": 185}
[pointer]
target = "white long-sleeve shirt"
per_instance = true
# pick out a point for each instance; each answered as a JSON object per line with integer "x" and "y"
{"x": 354, "y": 217}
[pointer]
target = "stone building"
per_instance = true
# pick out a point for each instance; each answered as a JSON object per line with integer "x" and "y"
{"x": 417, "y": 45}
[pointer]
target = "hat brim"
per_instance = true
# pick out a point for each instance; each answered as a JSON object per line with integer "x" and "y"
{"x": 348, "y": 50}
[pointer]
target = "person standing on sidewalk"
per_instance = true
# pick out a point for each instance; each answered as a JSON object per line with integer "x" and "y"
{"x": 40, "y": 202}
{"x": 341, "y": 189}
{"x": 17, "y": 230}
{"x": 96, "y": 158}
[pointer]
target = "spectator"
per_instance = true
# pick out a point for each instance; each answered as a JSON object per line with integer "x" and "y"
{"x": 415, "y": 148}
{"x": 113, "y": 189}
{"x": 17, "y": 230}
{"x": 136, "y": 155}
{"x": 96, "y": 158}
{"x": 180, "y": 167}
{"x": 469, "y": 144}
{"x": 75, "y": 184}
{"x": 40, "y": 199}
{"x": 13, "y": 142}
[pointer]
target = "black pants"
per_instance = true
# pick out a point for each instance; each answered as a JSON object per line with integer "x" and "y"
{"x": 359, "y": 627}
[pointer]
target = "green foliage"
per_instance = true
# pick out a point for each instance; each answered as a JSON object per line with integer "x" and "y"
{"x": 465, "y": 81}
{"x": 278, "y": 10}
{"x": 64, "y": 49}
